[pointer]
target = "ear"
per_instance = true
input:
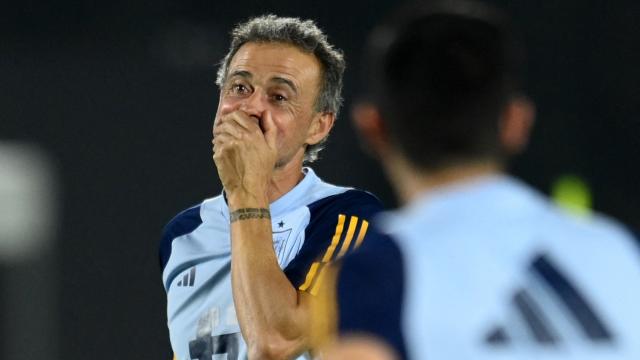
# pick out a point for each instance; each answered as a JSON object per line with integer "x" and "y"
{"x": 320, "y": 127}
{"x": 368, "y": 122}
{"x": 516, "y": 123}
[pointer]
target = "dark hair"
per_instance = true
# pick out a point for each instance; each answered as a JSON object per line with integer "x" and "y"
{"x": 305, "y": 35}
{"x": 441, "y": 74}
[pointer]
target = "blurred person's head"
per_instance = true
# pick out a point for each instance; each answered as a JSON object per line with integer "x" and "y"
{"x": 443, "y": 88}
{"x": 292, "y": 55}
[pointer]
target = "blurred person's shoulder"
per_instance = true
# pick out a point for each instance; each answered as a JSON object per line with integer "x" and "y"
{"x": 371, "y": 290}
{"x": 593, "y": 232}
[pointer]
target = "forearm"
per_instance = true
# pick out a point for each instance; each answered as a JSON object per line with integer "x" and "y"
{"x": 267, "y": 305}
{"x": 245, "y": 153}
{"x": 359, "y": 347}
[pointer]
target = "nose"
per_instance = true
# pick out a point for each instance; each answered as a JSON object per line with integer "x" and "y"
{"x": 254, "y": 105}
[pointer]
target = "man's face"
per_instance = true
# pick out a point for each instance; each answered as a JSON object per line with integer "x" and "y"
{"x": 280, "y": 79}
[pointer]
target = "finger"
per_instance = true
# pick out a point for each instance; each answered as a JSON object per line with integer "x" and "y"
{"x": 240, "y": 119}
{"x": 223, "y": 139}
{"x": 269, "y": 129}
{"x": 229, "y": 118}
{"x": 247, "y": 122}
{"x": 217, "y": 121}
{"x": 229, "y": 128}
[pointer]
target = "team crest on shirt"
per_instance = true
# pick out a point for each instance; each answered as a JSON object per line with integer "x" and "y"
{"x": 280, "y": 237}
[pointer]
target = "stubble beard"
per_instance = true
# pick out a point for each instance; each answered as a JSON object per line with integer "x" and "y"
{"x": 286, "y": 159}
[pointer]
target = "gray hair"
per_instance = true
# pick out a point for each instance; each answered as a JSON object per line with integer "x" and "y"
{"x": 305, "y": 35}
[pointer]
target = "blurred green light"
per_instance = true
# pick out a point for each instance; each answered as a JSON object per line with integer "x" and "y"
{"x": 572, "y": 193}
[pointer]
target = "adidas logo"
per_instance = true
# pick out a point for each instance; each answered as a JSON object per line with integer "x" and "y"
{"x": 552, "y": 311}
{"x": 189, "y": 278}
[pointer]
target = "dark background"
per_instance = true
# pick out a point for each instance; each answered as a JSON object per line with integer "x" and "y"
{"x": 122, "y": 96}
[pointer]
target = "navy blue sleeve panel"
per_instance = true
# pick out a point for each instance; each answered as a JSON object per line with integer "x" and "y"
{"x": 338, "y": 224}
{"x": 184, "y": 223}
{"x": 636, "y": 237}
{"x": 370, "y": 292}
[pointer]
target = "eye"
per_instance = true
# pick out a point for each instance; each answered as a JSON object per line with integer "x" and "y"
{"x": 279, "y": 98}
{"x": 239, "y": 89}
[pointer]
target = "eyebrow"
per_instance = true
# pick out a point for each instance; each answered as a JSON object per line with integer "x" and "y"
{"x": 241, "y": 73}
{"x": 289, "y": 83}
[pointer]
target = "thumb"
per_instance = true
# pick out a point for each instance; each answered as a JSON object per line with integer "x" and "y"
{"x": 269, "y": 129}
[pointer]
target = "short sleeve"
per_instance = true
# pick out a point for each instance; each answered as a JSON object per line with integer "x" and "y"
{"x": 338, "y": 224}
{"x": 183, "y": 223}
{"x": 370, "y": 292}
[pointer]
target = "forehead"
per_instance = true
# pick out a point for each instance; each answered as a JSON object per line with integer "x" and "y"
{"x": 277, "y": 59}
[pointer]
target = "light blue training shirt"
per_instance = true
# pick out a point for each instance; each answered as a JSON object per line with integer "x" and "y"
{"x": 491, "y": 269}
{"x": 313, "y": 224}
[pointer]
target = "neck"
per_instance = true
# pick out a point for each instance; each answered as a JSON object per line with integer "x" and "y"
{"x": 285, "y": 178}
{"x": 411, "y": 183}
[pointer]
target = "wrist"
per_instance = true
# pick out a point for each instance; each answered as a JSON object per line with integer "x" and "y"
{"x": 249, "y": 213}
{"x": 246, "y": 199}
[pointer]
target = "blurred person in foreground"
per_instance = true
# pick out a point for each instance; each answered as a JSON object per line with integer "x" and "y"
{"x": 241, "y": 269}
{"x": 476, "y": 264}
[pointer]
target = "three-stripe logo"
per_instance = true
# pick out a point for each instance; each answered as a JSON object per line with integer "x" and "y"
{"x": 552, "y": 310}
{"x": 188, "y": 279}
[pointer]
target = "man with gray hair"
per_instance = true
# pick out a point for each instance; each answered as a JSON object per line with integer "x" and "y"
{"x": 241, "y": 270}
